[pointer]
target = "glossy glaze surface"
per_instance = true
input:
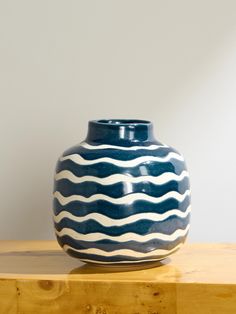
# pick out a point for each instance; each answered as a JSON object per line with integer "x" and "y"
{"x": 121, "y": 196}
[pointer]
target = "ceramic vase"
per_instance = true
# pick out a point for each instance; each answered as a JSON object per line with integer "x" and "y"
{"x": 121, "y": 196}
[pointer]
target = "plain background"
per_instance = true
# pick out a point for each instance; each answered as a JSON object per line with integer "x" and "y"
{"x": 63, "y": 63}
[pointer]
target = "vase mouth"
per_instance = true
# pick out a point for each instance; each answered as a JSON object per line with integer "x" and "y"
{"x": 122, "y": 122}
{"x": 120, "y": 131}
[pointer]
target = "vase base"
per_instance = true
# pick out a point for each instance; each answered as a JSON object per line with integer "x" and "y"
{"x": 131, "y": 266}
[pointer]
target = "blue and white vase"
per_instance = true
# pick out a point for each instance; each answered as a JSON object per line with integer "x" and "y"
{"x": 121, "y": 196}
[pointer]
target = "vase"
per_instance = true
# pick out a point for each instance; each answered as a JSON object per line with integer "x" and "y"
{"x": 121, "y": 196}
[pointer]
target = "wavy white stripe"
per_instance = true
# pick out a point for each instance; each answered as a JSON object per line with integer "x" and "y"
{"x": 116, "y": 178}
{"x": 121, "y": 163}
{"x": 129, "y": 236}
{"x": 127, "y": 199}
{"x": 110, "y": 222}
{"x": 122, "y": 252}
{"x": 104, "y": 146}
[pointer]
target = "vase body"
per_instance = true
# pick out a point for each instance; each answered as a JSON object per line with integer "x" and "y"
{"x": 121, "y": 196}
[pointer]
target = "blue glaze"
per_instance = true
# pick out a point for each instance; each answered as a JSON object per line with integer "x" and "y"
{"x": 122, "y": 132}
{"x": 127, "y": 134}
{"x": 108, "y": 245}
{"x": 118, "y": 189}
{"x": 105, "y": 169}
{"x": 79, "y": 209}
{"x": 142, "y": 227}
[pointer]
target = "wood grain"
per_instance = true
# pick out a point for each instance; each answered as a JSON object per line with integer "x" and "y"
{"x": 38, "y": 277}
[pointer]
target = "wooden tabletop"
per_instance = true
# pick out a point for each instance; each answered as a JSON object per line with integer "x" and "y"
{"x": 37, "y": 276}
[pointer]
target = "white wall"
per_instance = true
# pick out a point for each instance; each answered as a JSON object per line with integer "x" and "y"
{"x": 65, "y": 62}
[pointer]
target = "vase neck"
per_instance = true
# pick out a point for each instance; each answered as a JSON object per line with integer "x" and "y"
{"x": 120, "y": 132}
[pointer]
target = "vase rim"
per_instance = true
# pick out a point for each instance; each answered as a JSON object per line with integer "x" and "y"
{"x": 122, "y": 131}
{"x": 122, "y": 122}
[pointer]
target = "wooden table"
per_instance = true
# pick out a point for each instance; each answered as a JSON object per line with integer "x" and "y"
{"x": 38, "y": 277}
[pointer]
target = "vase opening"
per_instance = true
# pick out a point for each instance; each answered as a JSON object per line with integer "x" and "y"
{"x": 120, "y": 131}
{"x": 123, "y": 121}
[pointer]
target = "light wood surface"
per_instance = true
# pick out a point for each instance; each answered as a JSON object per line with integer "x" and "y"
{"x": 38, "y": 277}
